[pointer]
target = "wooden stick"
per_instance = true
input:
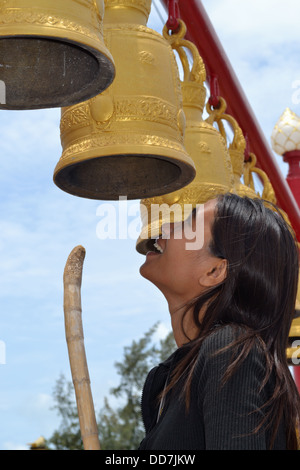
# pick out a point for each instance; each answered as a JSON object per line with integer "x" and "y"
{"x": 76, "y": 349}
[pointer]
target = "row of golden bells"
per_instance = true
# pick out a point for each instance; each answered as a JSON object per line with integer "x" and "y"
{"x": 129, "y": 126}
{"x": 143, "y": 134}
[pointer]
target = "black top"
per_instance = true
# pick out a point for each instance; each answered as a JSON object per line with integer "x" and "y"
{"x": 219, "y": 417}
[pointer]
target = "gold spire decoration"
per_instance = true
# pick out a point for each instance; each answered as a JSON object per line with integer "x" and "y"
{"x": 38, "y": 444}
{"x": 285, "y": 136}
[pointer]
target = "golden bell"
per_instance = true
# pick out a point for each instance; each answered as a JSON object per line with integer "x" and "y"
{"x": 38, "y": 444}
{"x": 52, "y": 52}
{"x": 208, "y": 149}
{"x": 128, "y": 140}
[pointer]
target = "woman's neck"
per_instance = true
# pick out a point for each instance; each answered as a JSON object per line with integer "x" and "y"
{"x": 183, "y": 325}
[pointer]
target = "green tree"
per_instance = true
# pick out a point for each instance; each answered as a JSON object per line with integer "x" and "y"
{"x": 119, "y": 428}
{"x": 68, "y": 437}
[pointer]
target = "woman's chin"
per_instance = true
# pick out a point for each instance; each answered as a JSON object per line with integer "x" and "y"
{"x": 146, "y": 267}
{"x": 148, "y": 272}
{"x": 144, "y": 271}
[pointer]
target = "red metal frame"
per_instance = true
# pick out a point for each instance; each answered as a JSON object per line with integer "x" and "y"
{"x": 293, "y": 177}
{"x": 200, "y": 31}
{"x": 297, "y": 376}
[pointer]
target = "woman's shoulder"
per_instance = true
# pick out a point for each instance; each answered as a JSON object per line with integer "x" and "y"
{"x": 224, "y": 347}
{"x": 222, "y": 336}
{"x": 226, "y": 341}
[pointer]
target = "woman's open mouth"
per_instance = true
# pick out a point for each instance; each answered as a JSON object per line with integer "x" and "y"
{"x": 157, "y": 247}
{"x": 154, "y": 248}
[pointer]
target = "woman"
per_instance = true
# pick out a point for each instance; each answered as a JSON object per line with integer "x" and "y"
{"x": 228, "y": 385}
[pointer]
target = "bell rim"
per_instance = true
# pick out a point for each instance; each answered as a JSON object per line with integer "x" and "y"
{"x": 155, "y": 227}
{"x": 175, "y": 158}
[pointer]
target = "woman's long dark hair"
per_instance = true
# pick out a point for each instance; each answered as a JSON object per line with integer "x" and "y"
{"x": 258, "y": 294}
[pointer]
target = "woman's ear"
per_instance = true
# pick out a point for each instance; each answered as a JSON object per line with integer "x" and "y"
{"x": 216, "y": 273}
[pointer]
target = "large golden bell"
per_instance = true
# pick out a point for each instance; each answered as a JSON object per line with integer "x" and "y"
{"x": 52, "y": 52}
{"x": 208, "y": 149}
{"x": 129, "y": 139}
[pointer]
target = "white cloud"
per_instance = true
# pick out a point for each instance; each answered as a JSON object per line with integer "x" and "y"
{"x": 261, "y": 40}
{"x": 259, "y": 19}
{"x": 162, "y": 331}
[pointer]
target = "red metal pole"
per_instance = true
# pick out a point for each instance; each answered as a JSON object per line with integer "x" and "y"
{"x": 296, "y": 371}
{"x": 200, "y": 31}
{"x": 293, "y": 177}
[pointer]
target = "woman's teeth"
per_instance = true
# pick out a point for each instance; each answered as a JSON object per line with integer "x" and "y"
{"x": 158, "y": 248}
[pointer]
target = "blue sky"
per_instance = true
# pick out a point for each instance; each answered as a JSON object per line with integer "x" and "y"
{"x": 40, "y": 224}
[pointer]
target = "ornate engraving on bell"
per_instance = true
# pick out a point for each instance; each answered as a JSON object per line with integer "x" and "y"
{"x": 52, "y": 52}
